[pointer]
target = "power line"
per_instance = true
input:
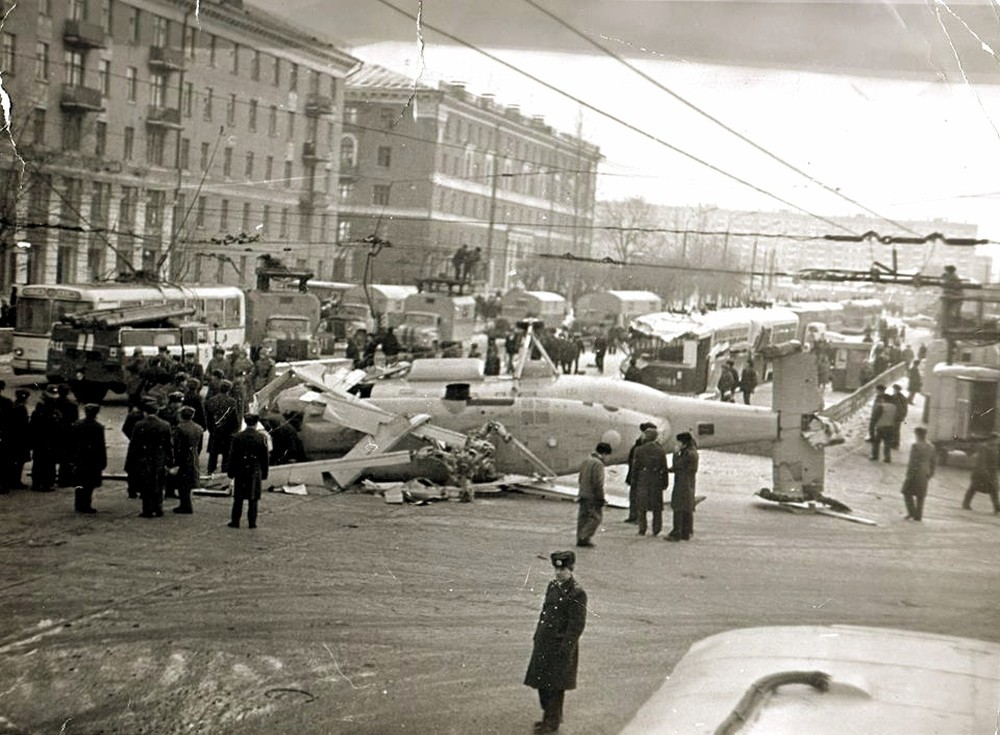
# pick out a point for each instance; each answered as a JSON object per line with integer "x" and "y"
{"x": 610, "y": 116}
{"x": 690, "y": 105}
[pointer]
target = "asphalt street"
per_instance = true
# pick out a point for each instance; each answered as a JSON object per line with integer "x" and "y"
{"x": 342, "y": 614}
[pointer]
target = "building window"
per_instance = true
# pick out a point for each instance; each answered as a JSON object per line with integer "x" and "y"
{"x": 42, "y": 61}
{"x": 72, "y": 132}
{"x": 128, "y": 144}
{"x": 203, "y": 162}
{"x": 38, "y": 126}
{"x": 188, "y": 99}
{"x": 133, "y": 26}
{"x": 227, "y": 162}
{"x": 77, "y": 9}
{"x": 272, "y": 121}
{"x": 158, "y": 90}
{"x": 246, "y": 217}
{"x": 255, "y": 66}
{"x": 351, "y": 114}
{"x": 231, "y": 110}
{"x": 288, "y": 174}
{"x": 156, "y": 142}
{"x": 293, "y": 78}
{"x": 291, "y": 124}
{"x": 333, "y": 88}
{"x": 248, "y": 168}
{"x": 131, "y": 84}
{"x": 283, "y": 229}
{"x": 343, "y": 231}
{"x": 190, "y": 41}
{"x": 45, "y": 7}
{"x": 384, "y": 155}
{"x": 345, "y": 191}
{"x": 276, "y": 72}
{"x": 104, "y": 76}
{"x": 268, "y": 169}
{"x": 213, "y": 42}
{"x": 126, "y": 207}
{"x": 100, "y": 138}
{"x": 253, "y": 116}
{"x": 224, "y": 215}
{"x": 265, "y": 219}
{"x": 161, "y": 31}
{"x": 348, "y": 152}
{"x": 74, "y": 68}
{"x": 207, "y": 109}
{"x": 185, "y": 154}
{"x": 380, "y": 195}
{"x": 199, "y": 218}
{"x": 235, "y": 67}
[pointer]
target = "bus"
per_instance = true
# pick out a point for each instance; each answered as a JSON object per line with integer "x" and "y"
{"x": 862, "y": 316}
{"x": 221, "y": 308}
{"x": 547, "y": 306}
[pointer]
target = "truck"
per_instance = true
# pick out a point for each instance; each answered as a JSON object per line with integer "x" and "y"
{"x": 284, "y": 321}
{"x": 436, "y": 319}
{"x": 90, "y": 350}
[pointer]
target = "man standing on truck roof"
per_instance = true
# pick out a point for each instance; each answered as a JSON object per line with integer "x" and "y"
{"x": 458, "y": 262}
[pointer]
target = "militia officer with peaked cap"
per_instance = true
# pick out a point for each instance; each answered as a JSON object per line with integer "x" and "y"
{"x": 554, "y": 656}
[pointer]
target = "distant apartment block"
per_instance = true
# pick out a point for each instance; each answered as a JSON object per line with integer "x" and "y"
{"x": 432, "y": 168}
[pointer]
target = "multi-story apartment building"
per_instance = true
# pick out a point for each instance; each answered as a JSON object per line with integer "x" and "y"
{"x": 147, "y": 133}
{"x": 432, "y": 168}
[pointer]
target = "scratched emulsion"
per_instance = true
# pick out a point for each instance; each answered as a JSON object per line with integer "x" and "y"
{"x": 6, "y": 106}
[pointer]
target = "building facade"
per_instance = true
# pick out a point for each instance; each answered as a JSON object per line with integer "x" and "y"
{"x": 144, "y": 138}
{"x": 432, "y": 168}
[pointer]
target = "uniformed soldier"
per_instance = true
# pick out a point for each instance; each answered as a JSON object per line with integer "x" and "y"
{"x": 218, "y": 362}
{"x": 45, "y": 428}
{"x": 150, "y": 453}
{"x": 248, "y": 466}
{"x": 554, "y": 656}
{"x": 192, "y": 398}
{"x": 69, "y": 413}
{"x": 88, "y": 457}
{"x": 223, "y": 421}
{"x": 187, "y": 439}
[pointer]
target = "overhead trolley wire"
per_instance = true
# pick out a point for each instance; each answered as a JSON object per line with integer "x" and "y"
{"x": 690, "y": 105}
{"x": 609, "y": 116}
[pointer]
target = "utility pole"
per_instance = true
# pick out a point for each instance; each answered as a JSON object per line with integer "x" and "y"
{"x": 493, "y": 207}
{"x": 753, "y": 265}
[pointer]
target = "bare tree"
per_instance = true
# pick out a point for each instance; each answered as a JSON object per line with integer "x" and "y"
{"x": 626, "y": 229}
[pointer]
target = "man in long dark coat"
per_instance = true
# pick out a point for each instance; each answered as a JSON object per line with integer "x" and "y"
{"x": 984, "y": 474}
{"x": 632, "y": 516}
{"x": 685, "y": 468}
{"x": 919, "y": 471}
{"x": 88, "y": 456}
{"x": 651, "y": 479}
{"x": 69, "y": 413}
{"x": 248, "y": 465}
{"x": 187, "y": 439}
{"x": 150, "y": 454}
{"x": 17, "y": 447}
{"x": 192, "y": 398}
{"x": 44, "y": 428}
{"x": 6, "y": 417}
{"x": 555, "y": 654}
{"x": 223, "y": 421}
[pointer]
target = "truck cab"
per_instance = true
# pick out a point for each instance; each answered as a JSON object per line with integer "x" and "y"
{"x": 436, "y": 319}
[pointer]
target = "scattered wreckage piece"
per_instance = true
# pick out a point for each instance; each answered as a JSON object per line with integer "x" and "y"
{"x": 818, "y": 505}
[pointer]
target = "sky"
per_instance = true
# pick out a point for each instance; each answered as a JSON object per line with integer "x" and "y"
{"x": 895, "y": 106}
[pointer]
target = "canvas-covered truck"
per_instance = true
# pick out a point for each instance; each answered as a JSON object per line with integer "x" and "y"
{"x": 285, "y": 322}
{"x": 435, "y": 319}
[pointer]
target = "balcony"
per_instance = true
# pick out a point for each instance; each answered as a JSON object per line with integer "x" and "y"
{"x": 80, "y": 99}
{"x": 310, "y": 154}
{"x": 165, "y": 59}
{"x": 80, "y": 34}
{"x": 164, "y": 117}
{"x": 348, "y": 170}
{"x": 318, "y": 105}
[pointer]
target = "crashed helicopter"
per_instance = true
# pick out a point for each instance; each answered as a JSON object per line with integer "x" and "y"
{"x": 544, "y": 424}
